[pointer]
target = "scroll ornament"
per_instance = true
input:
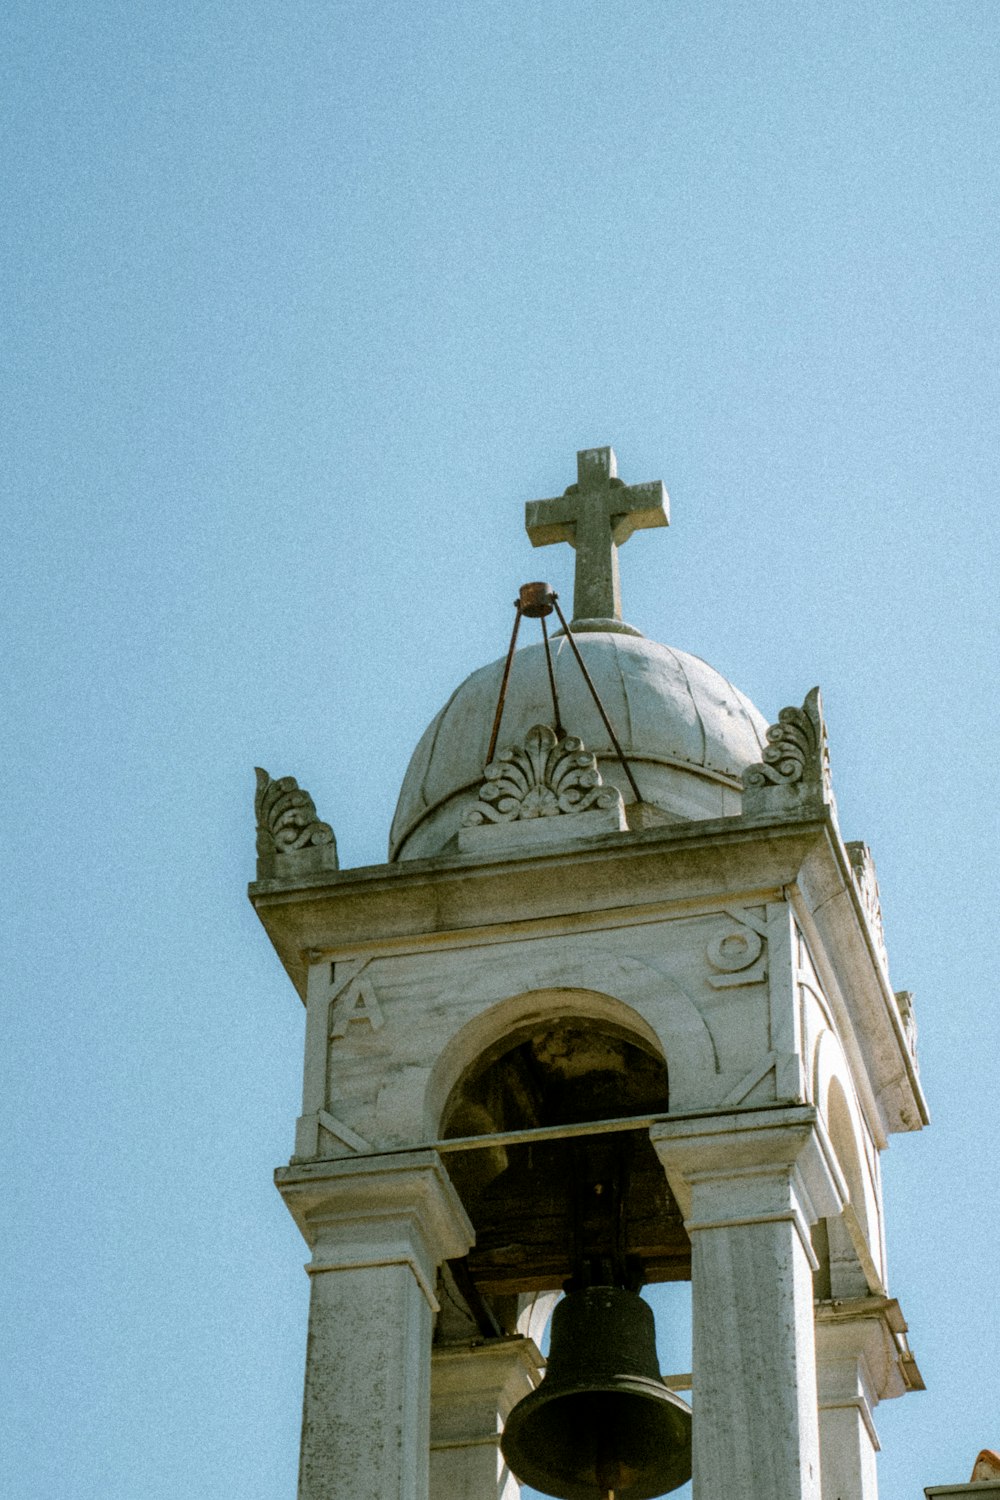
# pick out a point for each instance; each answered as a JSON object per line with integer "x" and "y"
{"x": 543, "y": 778}
{"x": 288, "y": 824}
{"x": 796, "y": 764}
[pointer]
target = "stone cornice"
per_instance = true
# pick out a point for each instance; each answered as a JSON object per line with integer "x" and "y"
{"x": 635, "y": 876}
{"x": 871, "y": 1330}
{"x": 377, "y": 903}
{"x": 985, "y": 1489}
{"x": 830, "y": 911}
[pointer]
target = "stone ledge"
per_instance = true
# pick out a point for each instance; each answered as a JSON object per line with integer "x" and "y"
{"x": 982, "y": 1487}
{"x": 522, "y": 835}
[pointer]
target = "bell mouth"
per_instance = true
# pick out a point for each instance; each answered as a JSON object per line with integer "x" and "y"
{"x": 580, "y": 1443}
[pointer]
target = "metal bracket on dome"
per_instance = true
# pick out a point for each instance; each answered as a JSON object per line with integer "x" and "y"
{"x": 537, "y": 601}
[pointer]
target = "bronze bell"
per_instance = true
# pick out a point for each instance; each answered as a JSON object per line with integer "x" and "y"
{"x": 602, "y": 1422}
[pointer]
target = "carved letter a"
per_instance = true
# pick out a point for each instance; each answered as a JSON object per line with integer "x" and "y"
{"x": 357, "y": 1003}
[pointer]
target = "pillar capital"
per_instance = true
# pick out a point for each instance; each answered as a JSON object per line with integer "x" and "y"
{"x": 751, "y": 1166}
{"x": 367, "y": 1211}
{"x": 474, "y": 1387}
{"x": 483, "y": 1373}
{"x": 862, "y": 1354}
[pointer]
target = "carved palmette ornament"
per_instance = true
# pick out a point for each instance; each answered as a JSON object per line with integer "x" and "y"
{"x": 796, "y": 758}
{"x": 543, "y": 778}
{"x": 287, "y": 821}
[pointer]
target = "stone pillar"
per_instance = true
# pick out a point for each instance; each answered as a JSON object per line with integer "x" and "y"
{"x": 858, "y": 1364}
{"x": 378, "y": 1228}
{"x": 749, "y": 1186}
{"x": 474, "y": 1386}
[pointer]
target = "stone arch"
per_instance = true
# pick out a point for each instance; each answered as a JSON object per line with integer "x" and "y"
{"x": 496, "y": 1029}
{"x": 836, "y": 1101}
{"x": 558, "y": 1202}
{"x": 588, "y": 983}
{"x": 534, "y": 1314}
{"x": 842, "y": 1130}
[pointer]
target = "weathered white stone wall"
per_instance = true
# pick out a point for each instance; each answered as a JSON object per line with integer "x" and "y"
{"x": 699, "y": 985}
{"x": 730, "y": 996}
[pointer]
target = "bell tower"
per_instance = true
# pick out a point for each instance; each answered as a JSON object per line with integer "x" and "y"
{"x": 615, "y": 1011}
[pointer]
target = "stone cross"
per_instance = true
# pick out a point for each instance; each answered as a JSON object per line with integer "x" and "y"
{"x": 596, "y": 515}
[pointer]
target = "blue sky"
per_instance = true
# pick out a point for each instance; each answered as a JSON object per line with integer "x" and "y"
{"x": 303, "y": 302}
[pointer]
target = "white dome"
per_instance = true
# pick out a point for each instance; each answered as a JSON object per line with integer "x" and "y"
{"x": 686, "y": 732}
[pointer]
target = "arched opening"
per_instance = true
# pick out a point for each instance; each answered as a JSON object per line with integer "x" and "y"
{"x": 572, "y": 1205}
{"x": 841, "y": 1128}
{"x": 841, "y": 1242}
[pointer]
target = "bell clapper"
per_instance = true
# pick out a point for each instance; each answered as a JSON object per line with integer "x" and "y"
{"x": 607, "y": 1469}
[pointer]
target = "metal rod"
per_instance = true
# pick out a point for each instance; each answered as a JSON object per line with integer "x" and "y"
{"x": 552, "y": 681}
{"x": 531, "y": 1133}
{"x": 541, "y": 1133}
{"x": 475, "y": 1301}
{"x": 503, "y": 685}
{"x": 596, "y": 697}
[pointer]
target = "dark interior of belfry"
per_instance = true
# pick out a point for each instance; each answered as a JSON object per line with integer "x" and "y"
{"x": 583, "y": 1209}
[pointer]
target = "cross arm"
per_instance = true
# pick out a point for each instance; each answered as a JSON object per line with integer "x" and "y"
{"x": 641, "y": 506}
{"x": 550, "y": 520}
{"x": 646, "y": 505}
